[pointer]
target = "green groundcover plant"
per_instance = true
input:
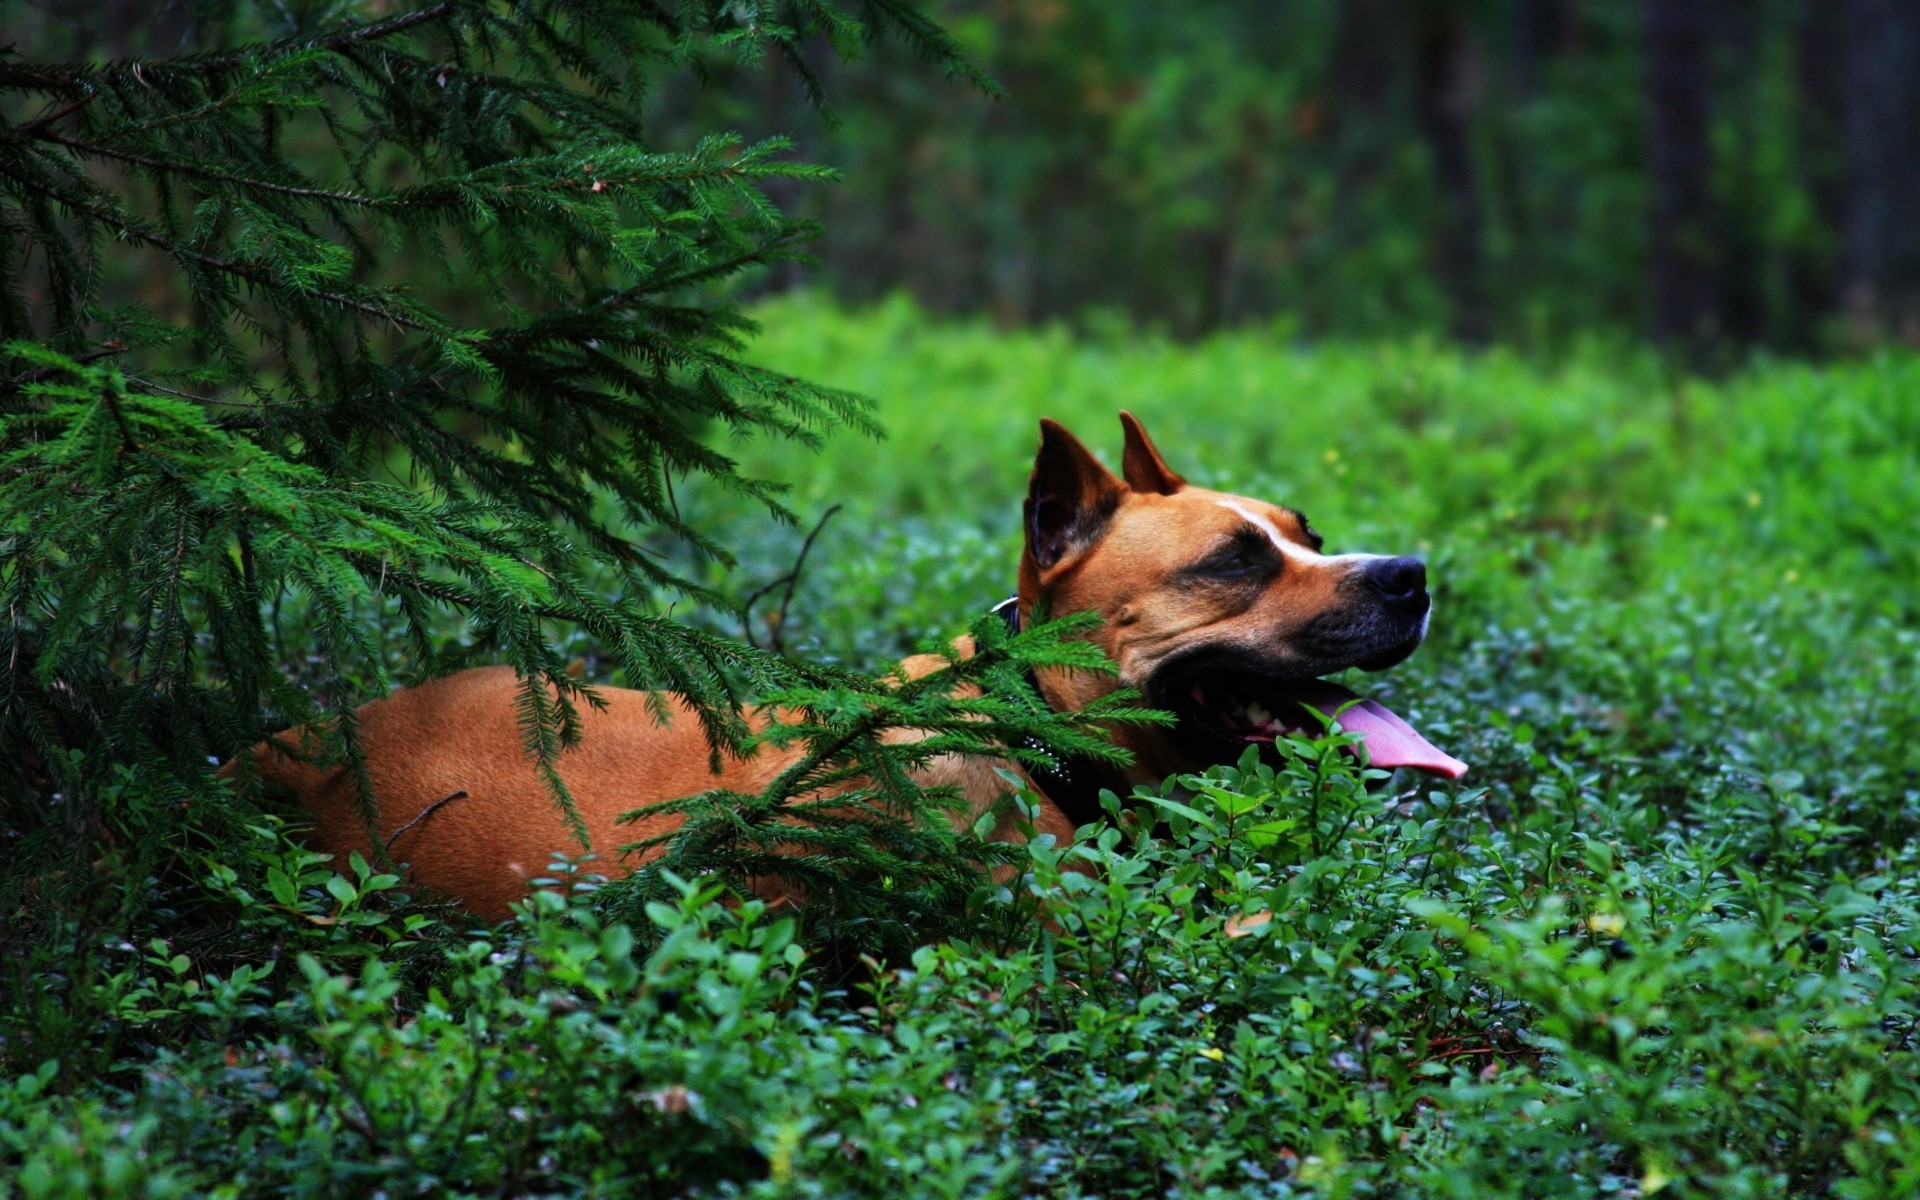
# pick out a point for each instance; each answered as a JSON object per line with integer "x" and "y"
{"x": 1661, "y": 941}
{"x": 1287, "y": 982}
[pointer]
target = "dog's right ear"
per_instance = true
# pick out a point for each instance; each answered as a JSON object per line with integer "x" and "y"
{"x": 1069, "y": 498}
{"x": 1145, "y": 470}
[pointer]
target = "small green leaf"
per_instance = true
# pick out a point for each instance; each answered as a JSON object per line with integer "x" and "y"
{"x": 1174, "y": 806}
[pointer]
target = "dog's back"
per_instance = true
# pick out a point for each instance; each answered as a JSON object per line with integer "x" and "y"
{"x": 459, "y": 737}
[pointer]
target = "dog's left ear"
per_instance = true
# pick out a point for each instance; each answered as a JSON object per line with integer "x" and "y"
{"x": 1145, "y": 470}
{"x": 1069, "y": 498}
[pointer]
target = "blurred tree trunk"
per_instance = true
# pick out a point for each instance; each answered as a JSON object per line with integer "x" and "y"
{"x": 1539, "y": 30}
{"x": 1880, "y": 104}
{"x": 1813, "y": 276}
{"x": 1221, "y": 246}
{"x": 1537, "y": 35}
{"x": 1360, "y": 81}
{"x": 1447, "y": 86}
{"x": 784, "y": 111}
{"x": 1677, "y": 38}
{"x": 115, "y": 28}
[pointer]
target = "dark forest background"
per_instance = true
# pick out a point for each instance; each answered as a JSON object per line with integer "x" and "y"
{"x": 1716, "y": 174}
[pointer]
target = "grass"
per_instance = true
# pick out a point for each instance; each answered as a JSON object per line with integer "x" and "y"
{"x": 1662, "y": 939}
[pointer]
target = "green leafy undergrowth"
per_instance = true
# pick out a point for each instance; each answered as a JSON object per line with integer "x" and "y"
{"x": 1316, "y": 980}
{"x": 1660, "y": 941}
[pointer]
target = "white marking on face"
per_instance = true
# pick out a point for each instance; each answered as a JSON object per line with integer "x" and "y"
{"x": 1256, "y": 520}
{"x": 1292, "y": 549}
{"x": 1287, "y": 548}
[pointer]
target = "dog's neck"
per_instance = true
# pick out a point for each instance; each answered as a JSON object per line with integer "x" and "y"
{"x": 1075, "y": 783}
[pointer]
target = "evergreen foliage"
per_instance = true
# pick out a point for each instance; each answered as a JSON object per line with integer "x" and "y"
{"x": 844, "y": 824}
{"x": 400, "y": 318}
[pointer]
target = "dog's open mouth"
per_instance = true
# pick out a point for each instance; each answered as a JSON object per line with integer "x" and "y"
{"x": 1234, "y": 710}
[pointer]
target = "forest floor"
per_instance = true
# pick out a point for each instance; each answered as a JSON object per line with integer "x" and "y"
{"x": 1663, "y": 938}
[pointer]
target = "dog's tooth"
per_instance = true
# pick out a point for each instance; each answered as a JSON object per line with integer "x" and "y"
{"x": 1258, "y": 714}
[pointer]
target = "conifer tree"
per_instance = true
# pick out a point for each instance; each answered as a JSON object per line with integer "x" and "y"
{"x": 395, "y": 314}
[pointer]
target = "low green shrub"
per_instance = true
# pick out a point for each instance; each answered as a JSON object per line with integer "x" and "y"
{"x": 1257, "y": 982}
{"x": 1661, "y": 940}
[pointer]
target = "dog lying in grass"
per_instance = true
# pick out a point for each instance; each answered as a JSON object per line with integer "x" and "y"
{"x": 1218, "y": 608}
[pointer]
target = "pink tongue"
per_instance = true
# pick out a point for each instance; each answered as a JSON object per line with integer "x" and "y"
{"x": 1391, "y": 742}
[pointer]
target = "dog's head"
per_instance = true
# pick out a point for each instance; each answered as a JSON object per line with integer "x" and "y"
{"x": 1217, "y": 607}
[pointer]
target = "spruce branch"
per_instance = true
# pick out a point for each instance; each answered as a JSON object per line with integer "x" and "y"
{"x": 347, "y": 355}
{"x": 847, "y": 824}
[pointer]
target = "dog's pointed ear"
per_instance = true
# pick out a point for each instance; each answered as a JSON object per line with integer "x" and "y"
{"x": 1069, "y": 498}
{"x": 1145, "y": 470}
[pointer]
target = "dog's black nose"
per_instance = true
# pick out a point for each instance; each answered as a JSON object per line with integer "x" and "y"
{"x": 1398, "y": 578}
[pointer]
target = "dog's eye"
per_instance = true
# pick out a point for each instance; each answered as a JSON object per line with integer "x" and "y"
{"x": 1307, "y": 530}
{"x": 1238, "y": 559}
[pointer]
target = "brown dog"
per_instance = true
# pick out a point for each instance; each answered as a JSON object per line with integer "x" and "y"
{"x": 1217, "y": 607}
